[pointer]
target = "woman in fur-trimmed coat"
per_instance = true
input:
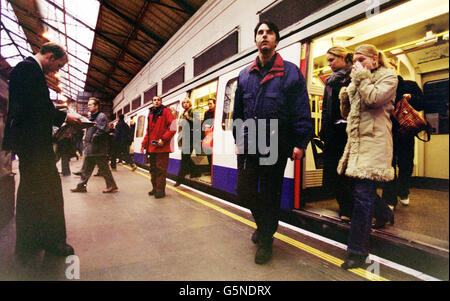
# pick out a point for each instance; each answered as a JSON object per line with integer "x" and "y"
{"x": 367, "y": 104}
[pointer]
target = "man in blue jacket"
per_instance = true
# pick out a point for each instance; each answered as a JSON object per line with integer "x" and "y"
{"x": 271, "y": 103}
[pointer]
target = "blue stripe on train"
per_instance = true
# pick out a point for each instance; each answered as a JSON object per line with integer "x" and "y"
{"x": 225, "y": 178}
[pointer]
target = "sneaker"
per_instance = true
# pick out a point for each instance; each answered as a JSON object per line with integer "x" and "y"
{"x": 177, "y": 184}
{"x": 405, "y": 202}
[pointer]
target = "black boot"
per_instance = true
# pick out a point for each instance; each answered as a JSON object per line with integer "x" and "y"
{"x": 354, "y": 261}
{"x": 255, "y": 237}
{"x": 264, "y": 252}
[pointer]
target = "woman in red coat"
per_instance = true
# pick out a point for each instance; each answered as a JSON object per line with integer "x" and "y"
{"x": 157, "y": 142}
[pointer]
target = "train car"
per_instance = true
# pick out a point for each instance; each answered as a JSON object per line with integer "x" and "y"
{"x": 204, "y": 58}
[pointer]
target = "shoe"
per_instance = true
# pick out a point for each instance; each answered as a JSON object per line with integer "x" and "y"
{"x": 133, "y": 168}
{"x": 77, "y": 173}
{"x": 111, "y": 189}
{"x": 177, "y": 184}
{"x": 152, "y": 192}
{"x": 62, "y": 249}
{"x": 255, "y": 237}
{"x": 159, "y": 195}
{"x": 79, "y": 189}
{"x": 379, "y": 224}
{"x": 405, "y": 202}
{"x": 345, "y": 219}
{"x": 263, "y": 254}
{"x": 354, "y": 261}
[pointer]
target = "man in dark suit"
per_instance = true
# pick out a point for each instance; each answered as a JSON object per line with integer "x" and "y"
{"x": 40, "y": 222}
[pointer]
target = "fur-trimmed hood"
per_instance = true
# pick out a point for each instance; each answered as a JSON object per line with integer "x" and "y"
{"x": 367, "y": 104}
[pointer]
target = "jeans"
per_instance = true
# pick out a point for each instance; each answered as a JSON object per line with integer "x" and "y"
{"x": 367, "y": 204}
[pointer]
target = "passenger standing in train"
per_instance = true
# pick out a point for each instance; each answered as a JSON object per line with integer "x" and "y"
{"x": 208, "y": 123}
{"x": 96, "y": 149}
{"x": 40, "y": 222}
{"x": 333, "y": 132}
{"x": 187, "y": 142}
{"x": 403, "y": 145}
{"x": 157, "y": 142}
{"x": 367, "y": 104}
{"x": 270, "y": 89}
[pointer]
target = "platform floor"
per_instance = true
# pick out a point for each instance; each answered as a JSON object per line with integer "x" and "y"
{"x": 186, "y": 236}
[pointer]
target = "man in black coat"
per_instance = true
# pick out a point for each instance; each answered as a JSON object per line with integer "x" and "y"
{"x": 40, "y": 222}
{"x": 122, "y": 141}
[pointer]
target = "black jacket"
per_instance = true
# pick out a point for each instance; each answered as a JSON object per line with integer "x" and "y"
{"x": 31, "y": 113}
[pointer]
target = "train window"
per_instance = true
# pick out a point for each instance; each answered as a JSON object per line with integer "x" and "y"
{"x": 173, "y": 80}
{"x": 174, "y": 108}
{"x": 228, "y": 104}
{"x": 136, "y": 103}
{"x": 148, "y": 95}
{"x": 436, "y": 105}
{"x": 140, "y": 126}
{"x": 200, "y": 96}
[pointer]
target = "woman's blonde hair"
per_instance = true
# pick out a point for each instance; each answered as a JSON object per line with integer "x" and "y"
{"x": 371, "y": 51}
{"x": 343, "y": 52}
{"x": 188, "y": 100}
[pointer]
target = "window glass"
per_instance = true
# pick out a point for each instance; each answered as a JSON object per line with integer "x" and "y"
{"x": 140, "y": 127}
{"x": 227, "y": 117}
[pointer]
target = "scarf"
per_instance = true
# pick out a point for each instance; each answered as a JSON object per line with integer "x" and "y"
{"x": 338, "y": 76}
{"x": 156, "y": 112}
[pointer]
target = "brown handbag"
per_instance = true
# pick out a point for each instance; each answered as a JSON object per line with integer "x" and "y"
{"x": 411, "y": 123}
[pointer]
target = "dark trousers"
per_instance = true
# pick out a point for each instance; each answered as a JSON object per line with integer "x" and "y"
{"x": 403, "y": 157}
{"x": 259, "y": 186}
{"x": 187, "y": 166}
{"x": 40, "y": 221}
{"x": 65, "y": 164}
{"x": 103, "y": 169}
{"x": 367, "y": 204}
{"x": 122, "y": 153}
{"x": 158, "y": 171}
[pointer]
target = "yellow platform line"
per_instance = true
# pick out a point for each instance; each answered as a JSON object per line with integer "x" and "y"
{"x": 322, "y": 255}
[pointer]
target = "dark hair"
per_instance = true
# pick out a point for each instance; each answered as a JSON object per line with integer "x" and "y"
{"x": 271, "y": 26}
{"x": 54, "y": 48}
{"x": 121, "y": 116}
{"x": 213, "y": 100}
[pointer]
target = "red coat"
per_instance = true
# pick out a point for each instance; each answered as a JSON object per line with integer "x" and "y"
{"x": 161, "y": 129}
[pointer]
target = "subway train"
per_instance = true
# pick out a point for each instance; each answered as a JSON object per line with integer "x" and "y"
{"x": 182, "y": 69}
